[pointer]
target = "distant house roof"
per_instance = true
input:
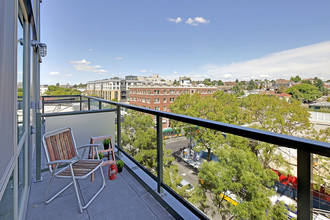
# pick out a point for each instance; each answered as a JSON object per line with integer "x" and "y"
{"x": 282, "y": 81}
{"x": 283, "y": 94}
{"x": 230, "y": 83}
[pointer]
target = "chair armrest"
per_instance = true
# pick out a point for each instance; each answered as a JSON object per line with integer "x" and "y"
{"x": 89, "y": 145}
{"x": 59, "y": 161}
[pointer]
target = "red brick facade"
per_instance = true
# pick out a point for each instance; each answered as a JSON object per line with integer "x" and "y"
{"x": 160, "y": 97}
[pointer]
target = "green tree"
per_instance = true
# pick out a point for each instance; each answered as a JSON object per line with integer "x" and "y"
{"x": 139, "y": 139}
{"x": 239, "y": 172}
{"x": 252, "y": 85}
{"x": 220, "y": 83}
{"x": 207, "y": 82}
{"x": 295, "y": 79}
{"x": 221, "y": 107}
{"x": 306, "y": 81}
{"x": 309, "y": 92}
{"x": 273, "y": 114}
{"x": 319, "y": 84}
{"x": 237, "y": 90}
{"x": 56, "y": 90}
{"x": 19, "y": 91}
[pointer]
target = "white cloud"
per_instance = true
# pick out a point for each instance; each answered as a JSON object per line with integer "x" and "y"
{"x": 227, "y": 76}
{"x": 84, "y": 65}
{"x": 308, "y": 61}
{"x": 175, "y": 72}
{"x": 70, "y": 74}
{"x": 175, "y": 20}
{"x": 54, "y": 73}
{"x": 119, "y": 58}
{"x": 196, "y": 21}
{"x": 143, "y": 71}
{"x": 90, "y": 50}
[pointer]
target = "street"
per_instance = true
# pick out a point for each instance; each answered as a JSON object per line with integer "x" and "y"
{"x": 188, "y": 172}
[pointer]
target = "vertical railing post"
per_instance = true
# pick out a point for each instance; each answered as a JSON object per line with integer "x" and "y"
{"x": 43, "y": 104}
{"x": 80, "y": 103}
{"x": 38, "y": 147}
{"x": 118, "y": 129}
{"x": 100, "y": 105}
{"x": 89, "y": 104}
{"x": 159, "y": 154}
{"x": 304, "y": 185}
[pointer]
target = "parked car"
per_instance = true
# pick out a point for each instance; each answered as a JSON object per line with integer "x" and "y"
{"x": 184, "y": 183}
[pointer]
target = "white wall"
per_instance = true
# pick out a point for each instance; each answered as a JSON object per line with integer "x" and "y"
{"x": 85, "y": 126}
{"x": 320, "y": 117}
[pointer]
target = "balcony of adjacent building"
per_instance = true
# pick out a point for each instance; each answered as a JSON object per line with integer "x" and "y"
{"x": 141, "y": 192}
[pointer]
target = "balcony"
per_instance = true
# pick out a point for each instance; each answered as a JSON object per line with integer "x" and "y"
{"x": 140, "y": 192}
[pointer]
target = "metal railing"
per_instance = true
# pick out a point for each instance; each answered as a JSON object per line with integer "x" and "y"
{"x": 305, "y": 148}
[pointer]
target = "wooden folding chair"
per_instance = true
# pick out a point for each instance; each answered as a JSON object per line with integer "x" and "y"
{"x": 60, "y": 148}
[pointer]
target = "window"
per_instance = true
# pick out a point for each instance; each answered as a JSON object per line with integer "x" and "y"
{"x": 157, "y": 92}
{"x": 164, "y": 100}
{"x": 143, "y": 100}
{"x": 164, "y": 91}
{"x": 134, "y": 99}
{"x": 148, "y": 92}
{"x": 156, "y": 100}
{"x": 157, "y": 108}
{"x": 164, "y": 108}
{"x": 172, "y": 91}
{"x": 172, "y": 100}
{"x": 148, "y": 100}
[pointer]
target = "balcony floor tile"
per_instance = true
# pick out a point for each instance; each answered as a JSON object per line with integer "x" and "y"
{"x": 123, "y": 198}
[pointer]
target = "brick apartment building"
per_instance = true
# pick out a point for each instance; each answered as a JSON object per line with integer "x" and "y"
{"x": 160, "y": 97}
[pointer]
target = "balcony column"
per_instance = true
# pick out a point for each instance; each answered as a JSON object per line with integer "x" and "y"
{"x": 305, "y": 206}
{"x": 80, "y": 101}
{"x": 159, "y": 154}
{"x": 38, "y": 147}
{"x": 118, "y": 130}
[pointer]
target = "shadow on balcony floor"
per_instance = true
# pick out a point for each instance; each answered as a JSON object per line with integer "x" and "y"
{"x": 123, "y": 198}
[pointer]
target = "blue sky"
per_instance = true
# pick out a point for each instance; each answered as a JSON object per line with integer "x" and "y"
{"x": 98, "y": 39}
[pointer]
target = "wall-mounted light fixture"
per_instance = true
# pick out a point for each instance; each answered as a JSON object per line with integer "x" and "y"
{"x": 41, "y": 46}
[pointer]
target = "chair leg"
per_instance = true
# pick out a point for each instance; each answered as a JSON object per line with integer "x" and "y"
{"x": 76, "y": 189}
{"x": 57, "y": 194}
{"x": 98, "y": 192}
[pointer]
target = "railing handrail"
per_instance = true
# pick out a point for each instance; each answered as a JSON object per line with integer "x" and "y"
{"x": 312, "y": 146}
{"x": 53, "y": 114}
{"x": 59, "y": 96}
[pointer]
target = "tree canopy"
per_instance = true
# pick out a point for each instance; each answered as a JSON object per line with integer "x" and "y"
{"x": 242, "y": 160}
{"x": 57, "y": 90}
{"x": 139, "y": 139}
{"x": 295, "y": 79}
{"x": 305, "y": 92}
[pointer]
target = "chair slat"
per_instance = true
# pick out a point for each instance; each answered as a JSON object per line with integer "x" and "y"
{"x": 66, "y": 144}
{"x": 81, "y": 168}
{"x": 54, "y": 146}
{"x": 72, "y": 147}
{"x": 69, "y": 143}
